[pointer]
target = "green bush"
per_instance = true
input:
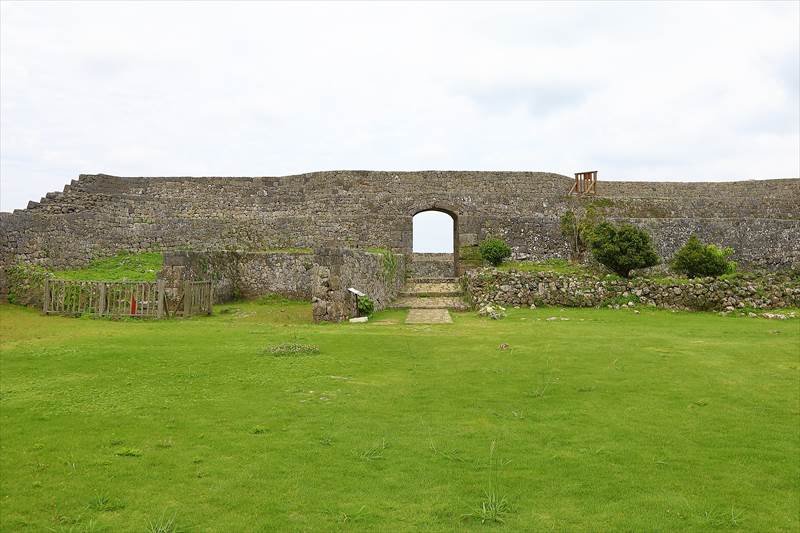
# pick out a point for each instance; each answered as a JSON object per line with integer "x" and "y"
{"x": 622, "y": 248}
{"x": 494, "y": 250}
{"x": 696, "y": 259}
{"x": 365, "y": 306}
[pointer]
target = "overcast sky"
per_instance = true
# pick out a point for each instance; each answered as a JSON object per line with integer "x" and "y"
{"x": 668, "y": 91}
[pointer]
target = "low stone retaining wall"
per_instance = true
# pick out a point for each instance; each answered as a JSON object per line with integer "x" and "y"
{"x": 379, "y": 276}
{"x": 25, "y": 284}
{"x": 432, "y": 265}
{"x": 322, "y": 277}
{"x": 706, "y": 294}
{"x": 243, "y": 274}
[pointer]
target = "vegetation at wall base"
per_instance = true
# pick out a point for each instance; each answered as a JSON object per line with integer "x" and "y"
{"x": 622, "y": 248}
{"x": 131, "y": 426}
{"x": 494, "y": 250}
{"x": 365, "y": 306}
{"x": 25, "y": 280}
{"x": 696, "y": 259}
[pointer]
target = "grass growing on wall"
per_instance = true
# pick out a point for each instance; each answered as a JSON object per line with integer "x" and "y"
{"x": 470, "y": 256}
{"x": 560, "y": 266}
{"x": 389, "y": 262}
{"x": 606, "y": 421}
{"x": 124, "y": 266}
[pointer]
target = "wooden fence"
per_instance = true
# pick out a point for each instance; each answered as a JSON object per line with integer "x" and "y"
{"x": 142, "y": 299}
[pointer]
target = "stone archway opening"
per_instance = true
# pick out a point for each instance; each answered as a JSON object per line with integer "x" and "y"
{"x": 434, "y": 244}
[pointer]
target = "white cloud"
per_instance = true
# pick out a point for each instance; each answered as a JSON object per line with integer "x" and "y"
{"x": 639, "y": 91}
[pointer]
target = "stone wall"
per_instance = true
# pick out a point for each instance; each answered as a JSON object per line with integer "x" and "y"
{"x": 99, "y": 215}
{"x": 26, "y": 284}
{"x": 243, "y": 274}
{"x": 432, "y": 265}
{"x": 547, "y": 288}
{"x": 338, "y": 269}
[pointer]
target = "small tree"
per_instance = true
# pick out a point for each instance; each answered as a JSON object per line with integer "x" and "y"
{"x": 696, "y": 259}
{"x": 494, "y": 250}
{"x": 570, "y": 232}
{"x": 622, "y": 248}
{"x": 578, "y": 230}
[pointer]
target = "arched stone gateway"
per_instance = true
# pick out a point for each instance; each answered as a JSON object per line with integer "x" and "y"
{"x": 438, "y": 255}
{"x": 101, "y": 214}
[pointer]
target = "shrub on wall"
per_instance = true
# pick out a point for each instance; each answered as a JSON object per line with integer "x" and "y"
{"x": 622, "y": 248}
{"x": 696, "y": 259}
{"x": 494, "y": 250}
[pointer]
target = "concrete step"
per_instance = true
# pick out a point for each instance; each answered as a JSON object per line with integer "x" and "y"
{"x": 432, "y": 289}
{"x": 432, "y": 280}
{"x": 431, "y": 302}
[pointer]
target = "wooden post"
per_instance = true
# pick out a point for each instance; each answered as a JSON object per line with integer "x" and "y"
{"x": 187, "y": 299}
{"x": 210, "y": 289}
{"x": 46, "y": 301}
{"x": 101, "y": 306}
{"x": 160, "y": 296}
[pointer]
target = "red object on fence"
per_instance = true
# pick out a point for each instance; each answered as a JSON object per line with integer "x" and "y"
{"x": 133, "y": 304}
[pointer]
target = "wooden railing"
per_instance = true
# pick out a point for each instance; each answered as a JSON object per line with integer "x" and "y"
{"x": 197, "y": 298}
{"x": 141, "y": 299}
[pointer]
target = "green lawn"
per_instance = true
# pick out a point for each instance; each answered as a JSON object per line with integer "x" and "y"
{"x": 608, "y": 421}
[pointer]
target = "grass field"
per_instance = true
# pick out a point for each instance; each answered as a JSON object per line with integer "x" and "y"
{"x": 608, "y": 421}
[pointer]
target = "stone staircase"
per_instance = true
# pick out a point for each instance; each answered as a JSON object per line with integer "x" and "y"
{"x": 431, "y": 293}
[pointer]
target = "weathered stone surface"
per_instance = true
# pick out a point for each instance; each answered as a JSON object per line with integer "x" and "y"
{"x": 243, "y": 274}
{"x": 432, "y": 266}
{"x": 100, "y": 215}
{"x": 548, "y": 288}
{"x": 430, "y": 288}
{"x": 338, "y": 269}
{"x": 428, "y": 316}
{"x": 493, "y": 311}
{"x": 429, "y": 302}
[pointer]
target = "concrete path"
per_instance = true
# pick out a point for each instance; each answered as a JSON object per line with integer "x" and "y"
{"x": 428, "y": 316}
{"x": 441, "y": 288}
{"x": 428, "y": 300}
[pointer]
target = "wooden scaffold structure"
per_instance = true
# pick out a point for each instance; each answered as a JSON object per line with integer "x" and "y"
{"x": 585, "y": 183}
